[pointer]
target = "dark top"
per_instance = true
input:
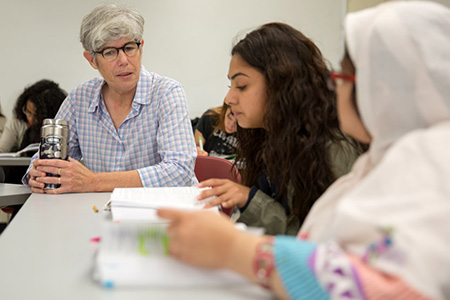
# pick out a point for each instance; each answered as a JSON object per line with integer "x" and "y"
{"x": 268, "y": 188}
{"x": 217, "y": 143}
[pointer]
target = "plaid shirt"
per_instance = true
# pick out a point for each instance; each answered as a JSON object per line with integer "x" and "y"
{"x": 155, "y": 138}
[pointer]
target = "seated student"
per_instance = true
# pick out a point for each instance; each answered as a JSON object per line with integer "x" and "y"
{"x": 288, "y": 128}
{"x": 38, "y": 101}
{"x": 217, "y": 128}
{"x": 131, "y": 127}
{"x": 383, "y": 230}
{"x": 2, "y": 121}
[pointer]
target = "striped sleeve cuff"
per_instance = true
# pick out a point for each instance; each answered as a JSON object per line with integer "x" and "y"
{"x": 291, "y": 257}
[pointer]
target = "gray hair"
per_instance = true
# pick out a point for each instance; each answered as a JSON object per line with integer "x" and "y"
{"x": 110, "y": 22}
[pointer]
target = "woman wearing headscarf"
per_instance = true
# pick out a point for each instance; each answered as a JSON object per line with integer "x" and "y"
{"x": 383, "y": 230}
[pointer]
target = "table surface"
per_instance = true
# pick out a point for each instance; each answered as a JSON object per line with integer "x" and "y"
{"x": 12, "y": 194}
{"x": 46, "y": 253}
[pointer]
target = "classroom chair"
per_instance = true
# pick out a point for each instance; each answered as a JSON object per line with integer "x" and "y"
{"x": 207, "y": 167}
{"x": 2, "y": 175}
{"x": 6, "y": 209}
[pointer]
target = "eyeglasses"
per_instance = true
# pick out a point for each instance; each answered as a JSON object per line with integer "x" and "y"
{"x": 111, "y": 53}
{"x": 27, "y": 113}
{"x": 335, "y": 78}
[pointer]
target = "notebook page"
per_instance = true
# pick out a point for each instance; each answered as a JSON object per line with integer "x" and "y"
{"x": 135, "y": 255}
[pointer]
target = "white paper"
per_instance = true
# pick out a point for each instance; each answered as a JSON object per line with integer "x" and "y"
{"x": 31, "y": 147}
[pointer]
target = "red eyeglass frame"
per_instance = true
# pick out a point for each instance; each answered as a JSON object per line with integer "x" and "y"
{"x": 337, "y": 75}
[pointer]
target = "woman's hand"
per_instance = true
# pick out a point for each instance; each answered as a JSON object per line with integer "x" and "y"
{"x": 228, "y": 193}
{"x": 73, "y": 176}
{"x": 202, "y": 238}
{"x": 35, "y": 174}
{"x": 201, "y": 152}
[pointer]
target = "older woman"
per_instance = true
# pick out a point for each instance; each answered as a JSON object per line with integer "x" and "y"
{"x": 131, "y": 127}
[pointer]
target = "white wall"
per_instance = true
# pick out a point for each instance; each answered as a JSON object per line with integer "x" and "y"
{"x": 355, "y": 5}
{"x": 188, "y": 40}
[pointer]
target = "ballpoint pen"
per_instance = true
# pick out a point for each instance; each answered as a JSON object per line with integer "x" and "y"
{"x": 107, "y": 206}
{"x": 200, "y": 143}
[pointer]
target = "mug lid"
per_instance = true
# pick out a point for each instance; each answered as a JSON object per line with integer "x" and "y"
{"x": 55, "y": 122}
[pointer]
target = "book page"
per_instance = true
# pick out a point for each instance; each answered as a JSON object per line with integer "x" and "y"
{"x": 141, "y": 204}
{"x": 168, "y": 197}
{"x": 9, "y": 154}
{"x": 32, "y": 147}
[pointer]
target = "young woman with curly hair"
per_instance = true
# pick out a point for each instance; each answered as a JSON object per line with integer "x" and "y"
{"x": 288, "y": 131}
{"x": 38, "y": 101}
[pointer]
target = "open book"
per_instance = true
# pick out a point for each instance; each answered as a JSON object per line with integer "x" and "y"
{"x": 140, "y": 204}
{"x": 136, "y": 254}
{"x": 30, "y": 148}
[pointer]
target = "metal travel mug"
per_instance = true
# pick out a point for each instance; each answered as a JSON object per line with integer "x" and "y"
{"x": 54, "y": 138}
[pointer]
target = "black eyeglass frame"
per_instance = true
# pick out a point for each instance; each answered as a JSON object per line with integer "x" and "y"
{"x": 118, "y": 49}
{"x": 27, "y": 113}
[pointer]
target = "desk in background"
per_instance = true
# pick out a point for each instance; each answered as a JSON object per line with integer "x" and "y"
{"x": 15, "y": 161}
{"x": 45, "y": 253}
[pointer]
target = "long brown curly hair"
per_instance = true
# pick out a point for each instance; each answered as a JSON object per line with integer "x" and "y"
{"x": 300, "y": 121}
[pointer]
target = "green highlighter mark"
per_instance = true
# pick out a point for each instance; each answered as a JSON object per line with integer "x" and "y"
{"x": 165, "y": 244}
{"x": 153, "y": 236}
{"x": 142, "y": 250}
